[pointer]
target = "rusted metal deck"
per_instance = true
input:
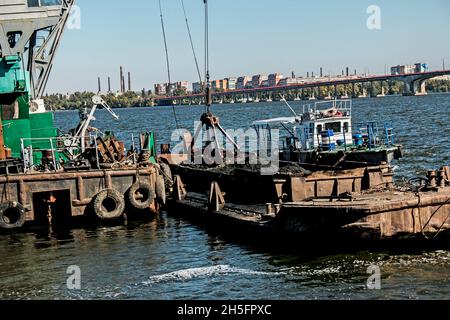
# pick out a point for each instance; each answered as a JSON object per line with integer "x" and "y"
{"x": 72, "y": 194}
{"x": 351, "y": 204}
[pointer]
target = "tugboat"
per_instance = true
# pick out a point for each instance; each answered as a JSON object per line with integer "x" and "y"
{"x": 48, "y": 177}
{"x": 324, "y": 134}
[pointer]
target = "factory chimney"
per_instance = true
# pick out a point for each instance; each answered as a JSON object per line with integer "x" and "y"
{"x": 109, "y": 84}
{"x": 129, "y": 81}
{"x": 122, "y": 85}
{"x": 99, "y": 85}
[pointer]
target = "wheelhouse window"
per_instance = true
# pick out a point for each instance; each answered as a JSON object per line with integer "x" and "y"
{"x": 319, "y": 128}
{"x": 335, "y": 126}
{"x": 9, "y": 110}
{"x": 346, "y": 127}
{"x": 43, "y": 3}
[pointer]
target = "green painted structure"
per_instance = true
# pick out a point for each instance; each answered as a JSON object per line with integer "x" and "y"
{"x": 15, "y": 115}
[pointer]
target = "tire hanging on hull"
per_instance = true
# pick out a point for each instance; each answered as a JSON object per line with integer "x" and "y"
{"x": 12, "y": 215}
{"x": 161, "y": 189}
{"x": 109, "y": 204}
{"x": 141, "y": 195}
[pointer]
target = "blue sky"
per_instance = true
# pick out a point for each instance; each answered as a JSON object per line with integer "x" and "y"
{"x": 247, "y": 37}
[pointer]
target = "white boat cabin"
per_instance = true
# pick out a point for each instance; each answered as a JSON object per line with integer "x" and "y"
{"x": 326, "y": 125}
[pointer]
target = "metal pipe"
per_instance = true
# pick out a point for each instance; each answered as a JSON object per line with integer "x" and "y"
{"x": 53, "y": 155}
{"x": 96, "y": 153}
{"x": 35, "y": 177}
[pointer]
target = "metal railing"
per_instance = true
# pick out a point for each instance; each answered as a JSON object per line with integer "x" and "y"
{"x": 344, "y": 106}
{"x": 57, "y": 146}
{"x": 375, "y": 134}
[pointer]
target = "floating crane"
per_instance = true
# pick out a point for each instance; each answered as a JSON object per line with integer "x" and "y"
{"x": 30, "y": 34}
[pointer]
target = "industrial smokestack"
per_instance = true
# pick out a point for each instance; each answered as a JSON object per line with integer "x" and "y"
{"x": 321, "y": 72}
{"x": 129, "y": 81}
{"x": 347, "y": 72}
{"x": 307, "y": 74}
{"x": 121, "y": 80}
{"x": 109, "y": 84}
{"x": 99, "y": 85}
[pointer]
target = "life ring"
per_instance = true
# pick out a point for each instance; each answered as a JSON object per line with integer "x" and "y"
{"x": 141, "y": 195}
{"x": 109, "y": 204}
{"x": 161, "y": 189}
{"x": 12, "y": 215}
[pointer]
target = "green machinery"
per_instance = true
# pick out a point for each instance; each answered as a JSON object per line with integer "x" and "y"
{"x": 30, "y": 33}
{"x": 22, "y": 129}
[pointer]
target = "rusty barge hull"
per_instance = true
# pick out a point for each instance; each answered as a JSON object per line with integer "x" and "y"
{"x": 68, "y": 194}
{"x": 379, "y": 218}
{"x": 361, "y": 203}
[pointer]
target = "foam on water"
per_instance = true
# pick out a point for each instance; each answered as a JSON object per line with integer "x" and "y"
{"x": 188, "y": 274}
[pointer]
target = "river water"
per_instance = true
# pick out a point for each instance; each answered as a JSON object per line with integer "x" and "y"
{"x": 171, "y": 258}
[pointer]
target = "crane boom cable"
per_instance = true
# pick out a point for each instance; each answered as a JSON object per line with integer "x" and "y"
{"x": 167, "y": 61}
{"x": 207, "y": 79}
{"x": 190, "y": 39}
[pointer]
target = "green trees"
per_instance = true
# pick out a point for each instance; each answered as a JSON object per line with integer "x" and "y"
{"x": 78, "y": 100}
{"x": 438, "y": 85}
{"x": 145, "y": 99}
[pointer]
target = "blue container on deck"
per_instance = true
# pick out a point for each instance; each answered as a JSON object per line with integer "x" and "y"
{"x": 358, "y": 139}
{"x": 328, "y": 140}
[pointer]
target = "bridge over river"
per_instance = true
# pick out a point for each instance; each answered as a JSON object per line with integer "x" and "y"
{"x": 414, "y": 84}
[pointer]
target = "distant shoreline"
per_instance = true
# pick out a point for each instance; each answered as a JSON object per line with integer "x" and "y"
{"x": 304, "y": 101}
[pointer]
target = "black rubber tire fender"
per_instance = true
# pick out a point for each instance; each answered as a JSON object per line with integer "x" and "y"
{"x": 109, "y": 204}
{"x": 147, "y": 193}
{"x": 14, "y": 211}
{"x": 161, "y": 189}
{"x": 168, "y": 178}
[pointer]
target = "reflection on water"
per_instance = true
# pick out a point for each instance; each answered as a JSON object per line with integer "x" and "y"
{"x": 169, "y": 258}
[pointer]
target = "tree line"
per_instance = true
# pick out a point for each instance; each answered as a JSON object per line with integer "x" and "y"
{"x": 132, "y": 99}
{"x": 78, "y": 100}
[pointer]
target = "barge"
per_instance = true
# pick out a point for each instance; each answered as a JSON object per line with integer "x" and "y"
{"x": 360, "y": 204}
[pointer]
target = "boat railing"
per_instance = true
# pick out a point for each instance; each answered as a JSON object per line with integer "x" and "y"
{"x": 373, "y": 134}
{"x": 342, "y": 106}
{"x": 59, "y": 148}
